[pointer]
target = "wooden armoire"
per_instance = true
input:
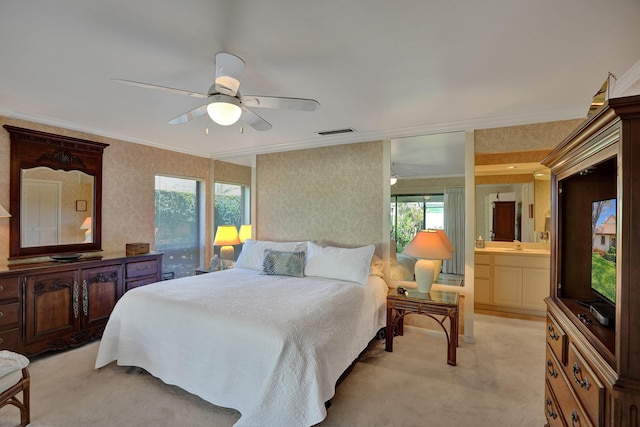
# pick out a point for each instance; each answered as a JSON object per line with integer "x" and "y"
{"x": 593, "y": 369}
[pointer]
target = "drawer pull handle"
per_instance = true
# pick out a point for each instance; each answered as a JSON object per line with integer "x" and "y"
{"x": 1, "y": 288}
{"x": 574, "y": 418}
{"x": 1, "y": 340}
{"x": 552, "y": 333}
{"x": 550, "y": 412}
{"x": 76, "y": 295}
{"x": 1, "y": 314}
{"x": 584, "y": 383}
{"x": 85, "y": 298}
{"x": 141, "y": 268}
{"x": 552, "y": 372}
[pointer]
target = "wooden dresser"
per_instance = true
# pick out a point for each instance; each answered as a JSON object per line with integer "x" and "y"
{"x": 593, "y": 369}
{"x": 53, "y": 306}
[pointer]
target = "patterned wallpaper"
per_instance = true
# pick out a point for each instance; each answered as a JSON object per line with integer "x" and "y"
{"x": 231, "y": 173}
{"x": 426, "y": 185}
{"x": 128, "y": 195}
{"x": 333, "y": 195}
{"x": 538, "y": 136}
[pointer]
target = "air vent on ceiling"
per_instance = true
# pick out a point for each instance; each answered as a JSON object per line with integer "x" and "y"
{"x": 335, "y": 132}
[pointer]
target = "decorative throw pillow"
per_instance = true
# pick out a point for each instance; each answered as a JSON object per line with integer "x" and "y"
{"x": 277, "y": 263}
{"x": 252, "y": 253}
{"x": 339, "y": 263}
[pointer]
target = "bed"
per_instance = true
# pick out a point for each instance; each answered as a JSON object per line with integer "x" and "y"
{"x": 270, "y": 345}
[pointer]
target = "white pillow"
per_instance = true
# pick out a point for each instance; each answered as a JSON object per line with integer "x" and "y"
{"x": 377, "y": 266}
{"x": 252, "y": 253}
{"x": 339, "y": 263}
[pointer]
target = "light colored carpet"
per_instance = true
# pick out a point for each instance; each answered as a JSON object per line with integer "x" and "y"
{"x": 499, "y": 381}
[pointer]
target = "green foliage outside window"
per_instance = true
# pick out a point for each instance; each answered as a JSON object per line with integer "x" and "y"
{"x": 228, "y": 209}
{"x": 177, "y": 223}
{"x": 410, "y": 219}
{"x": 176, "y": 211}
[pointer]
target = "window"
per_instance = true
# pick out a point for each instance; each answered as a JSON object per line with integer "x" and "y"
{"x": 232, "y": 205}
{"x": 179, "y": 225}
{"x": 412, "y": 213}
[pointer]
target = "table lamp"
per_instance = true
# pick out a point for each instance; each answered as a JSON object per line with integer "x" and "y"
{"x": 86, "y": 226}
{"x": 226, "y": 236}
{"x": 427, "y": 245}
{"x": 245, "y": 232}
{"x": 438, "y": 262}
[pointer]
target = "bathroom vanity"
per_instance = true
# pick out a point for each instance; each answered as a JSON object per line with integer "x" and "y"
{"x": 512, "y": 278}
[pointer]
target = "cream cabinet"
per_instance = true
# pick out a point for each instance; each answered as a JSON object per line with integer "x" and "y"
{"x": 482, "y": 279}
{"x": 512, "y": 282}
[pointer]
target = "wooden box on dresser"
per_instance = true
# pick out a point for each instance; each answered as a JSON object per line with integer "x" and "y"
{"x": 57, "y": 305}
{"x": 593, "y": 370}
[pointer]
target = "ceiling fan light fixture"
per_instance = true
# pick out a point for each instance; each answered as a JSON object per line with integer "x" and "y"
{"x": 224, "y": 109}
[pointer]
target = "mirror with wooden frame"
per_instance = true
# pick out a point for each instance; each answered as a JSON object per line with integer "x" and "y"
{"x": 56, "y": 194}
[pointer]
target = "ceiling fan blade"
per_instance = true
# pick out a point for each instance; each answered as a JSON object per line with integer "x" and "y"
{"x": 189, "y": 115}
{"x": 163, "y": 88}
{"x": 301, "y": 104}
{"x": 254, "y": 120}
{"x": 229, "y": 69}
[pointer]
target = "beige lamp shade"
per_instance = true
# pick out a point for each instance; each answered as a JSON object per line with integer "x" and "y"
{"x": 226, "y": 236}
{"x": 86, "y": 225}
{"x": 444, "y": 238}
{"x": 428, "y": 245}
{"x": 4, "y": 213}
{"x": 245, "y": 232}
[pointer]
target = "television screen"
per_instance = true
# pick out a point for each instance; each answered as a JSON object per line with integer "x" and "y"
{"x": 603, "y": 249}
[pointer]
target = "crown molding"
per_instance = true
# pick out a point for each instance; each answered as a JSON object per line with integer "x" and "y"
{"x": 626, "y": 81}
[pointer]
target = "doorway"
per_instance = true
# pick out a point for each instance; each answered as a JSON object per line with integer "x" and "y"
{"x": 504, "y": 219}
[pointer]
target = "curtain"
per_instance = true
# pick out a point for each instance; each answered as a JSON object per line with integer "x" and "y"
{"x": 454, "y": 228}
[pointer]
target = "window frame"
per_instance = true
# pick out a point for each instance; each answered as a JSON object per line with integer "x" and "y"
{"x": 201, "y": 206}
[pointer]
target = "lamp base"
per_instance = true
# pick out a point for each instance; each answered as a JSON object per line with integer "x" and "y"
{"x": 227, "y": 253}
{"x": 424, "y": 271}
{"x": 437, "y": 266}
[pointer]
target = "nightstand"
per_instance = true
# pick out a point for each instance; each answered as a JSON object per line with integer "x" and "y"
{"x": 439, "y": 305}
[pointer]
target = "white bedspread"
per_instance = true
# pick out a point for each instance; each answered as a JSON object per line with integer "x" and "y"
{"x": 271, "y": 347}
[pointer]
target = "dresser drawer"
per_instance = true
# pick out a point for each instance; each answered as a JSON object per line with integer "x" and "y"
{"x": 557, "y": 339}
{"x": 142, "y": 268}
{"x": 482, "y": 259}
{"x": 551, "y": 408}
{"x": 566, "y": 402}
{"x": 9, "y": 288}
{"x": 482, "y": 272}
{"x": 9, "y": 340}
{"x": 141, "y": 282}
{"x": 586, "y": 385}
{"x": 553, "y": 368}
{"x": 9, "y": 315}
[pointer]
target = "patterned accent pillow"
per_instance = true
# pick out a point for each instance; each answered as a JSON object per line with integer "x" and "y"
{"x": 283, "y": 263}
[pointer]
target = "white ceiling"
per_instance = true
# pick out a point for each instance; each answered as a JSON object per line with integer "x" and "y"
{"x": 425, "y": 156}
{"x": 388, "y": 69}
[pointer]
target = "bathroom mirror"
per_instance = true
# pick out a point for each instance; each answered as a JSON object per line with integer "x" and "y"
{"x": 56, "y": 194}
{"x": 513, "y": 202}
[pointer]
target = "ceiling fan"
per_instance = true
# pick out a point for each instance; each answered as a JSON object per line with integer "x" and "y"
{"x": 225, "y": 105}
